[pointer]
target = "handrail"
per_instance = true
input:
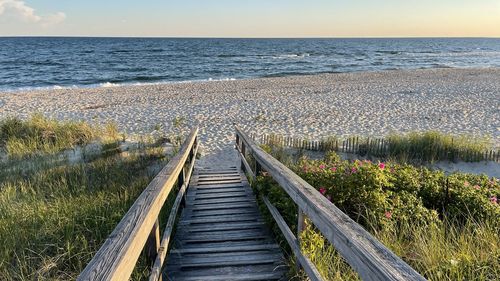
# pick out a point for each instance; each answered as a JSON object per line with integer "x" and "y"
{"x": 366, "y": 255}
{"x": 118, "y": 256}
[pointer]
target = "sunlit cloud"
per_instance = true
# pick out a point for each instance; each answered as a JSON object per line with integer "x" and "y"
{"x": 17, "y": 10}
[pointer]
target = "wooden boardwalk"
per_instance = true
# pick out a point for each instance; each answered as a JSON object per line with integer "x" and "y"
{"x": 221, "y": 234}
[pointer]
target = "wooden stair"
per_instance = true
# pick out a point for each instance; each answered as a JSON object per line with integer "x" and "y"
{"x": 221, "y": 234}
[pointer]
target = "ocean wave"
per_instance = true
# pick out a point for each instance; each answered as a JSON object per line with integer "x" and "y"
{"x": 113, "y": 85}
{"x": 291, "y": 56}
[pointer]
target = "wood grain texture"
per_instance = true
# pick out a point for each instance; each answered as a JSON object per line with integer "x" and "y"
{"x": 370, "y": 258}
{"x": 117, "y": 257}
{"x": 222, "y": 236}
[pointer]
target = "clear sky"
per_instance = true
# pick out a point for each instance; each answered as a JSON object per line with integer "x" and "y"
{"x": 252, "y": 18}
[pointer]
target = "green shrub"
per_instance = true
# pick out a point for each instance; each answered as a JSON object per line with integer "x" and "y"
{"x": 446, "y": 227}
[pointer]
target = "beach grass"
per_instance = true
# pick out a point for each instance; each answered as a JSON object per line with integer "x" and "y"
{"x": 433, "y": 146}
{"x": 413, "y": 147}
{"x": 39, "y": 135}
{"x": 55, "y": 213}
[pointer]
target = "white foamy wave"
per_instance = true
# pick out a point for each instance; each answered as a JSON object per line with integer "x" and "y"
{"x": 108, "y": 85}
{"x": 112, "y": 85}
{"x": 291, "y": 56}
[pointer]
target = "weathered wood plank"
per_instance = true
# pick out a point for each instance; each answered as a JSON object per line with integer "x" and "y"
{"x": 236, "y": 259}
{"x": 117, "y": 257}
{"x": 235, "y": 277}
{"x": 218, "y": 249}
{"x": 224, "y": 206}
{"x": 218, "y": 182}
{"x": 224, "y": 212}
{"x": 233, "y": 199}
{"x": 223, "y": 219}
{"x": 202, "y": 179}
{"x": 212, "y": 195}
{"x": 371, "y": 259}
{"x": 229, "y": 185}
{"x": 258, "y": 272}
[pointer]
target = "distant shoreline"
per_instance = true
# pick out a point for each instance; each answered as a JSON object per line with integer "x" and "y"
{"x": 210, "y": 80}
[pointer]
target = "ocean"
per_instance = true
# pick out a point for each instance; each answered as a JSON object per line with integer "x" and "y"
{"x": 56, "y": 62}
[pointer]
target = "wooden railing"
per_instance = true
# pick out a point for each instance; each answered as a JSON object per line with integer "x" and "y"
{"x": 366, "y": 255}
{"x": 139, "y": 228}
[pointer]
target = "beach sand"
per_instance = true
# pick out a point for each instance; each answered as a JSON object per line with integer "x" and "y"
{"x": 457, "y": 101}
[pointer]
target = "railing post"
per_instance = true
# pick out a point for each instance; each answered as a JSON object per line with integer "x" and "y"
{"x": 301, "y": 224}
{"x": 153, "y": 243}
{"x": 258, "y": 168}
{"x": 243, "y": 150}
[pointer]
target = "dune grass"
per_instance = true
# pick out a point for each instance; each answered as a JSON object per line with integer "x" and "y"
{"x": 416, "y": 147}
{"x": 39, "y": 135}
{"x": 56, "y": 213}
{"x": 433, "y": 146}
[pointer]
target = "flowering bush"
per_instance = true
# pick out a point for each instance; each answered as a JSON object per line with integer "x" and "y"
{"x": 442, "y": 225}
{"x": 365, "y": 191}
{"x": 375, "y": 194}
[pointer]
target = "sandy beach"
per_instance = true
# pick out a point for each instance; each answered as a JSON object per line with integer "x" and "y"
{"x": 457, "y": 101}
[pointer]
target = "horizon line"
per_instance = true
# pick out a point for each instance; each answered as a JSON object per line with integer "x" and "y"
{"x": 249, "y": 37}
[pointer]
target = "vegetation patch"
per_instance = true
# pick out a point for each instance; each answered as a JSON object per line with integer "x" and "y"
{"x": 445, "y": 226}
{"x": 39, "y": 135}
{"x": 56, "y": 213}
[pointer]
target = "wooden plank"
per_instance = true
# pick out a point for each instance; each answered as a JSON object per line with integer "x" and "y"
{"x": 371, "y": 259}
{"x": 116, "y": 259}
{"x": 224, "y": 212}
{"x": 216, "y": 177}
{"x": 228, "y": 236}
{"x": 255, "y": 272}
{"x": 223, "y": 206}
{"x": 198, "y": 191}
{"x": 226, "y": 200}
{"x": 311, "y": 270}
{"x": 225, "y": 218}
{"x": 226, "y": 226}
{"x": 277, "y": 275}
{"x": 229, "y": 260}
{"x": 200, "y": 195}
{"x": 219, "y": 182}
{"x": 217, "y": 186}
{"x": 218, "y": 249}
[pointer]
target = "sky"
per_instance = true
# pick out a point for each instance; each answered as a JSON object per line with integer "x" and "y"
{"x": 251, "y": 18}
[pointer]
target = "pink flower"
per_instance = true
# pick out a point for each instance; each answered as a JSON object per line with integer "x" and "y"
{"x": 322, "y": 167}
{"x": 381, "y": 166}
{"x": 354, "y": 170}
{"x": 333, "y": 169}
{"x": 388, "y": 214}
{"x": 466, "y": 183}
{"x": 494, "y": 200}
{"x": 322, "y": 190}
{"x": 477, "y": 187}
{"x": 329, "y": 198}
